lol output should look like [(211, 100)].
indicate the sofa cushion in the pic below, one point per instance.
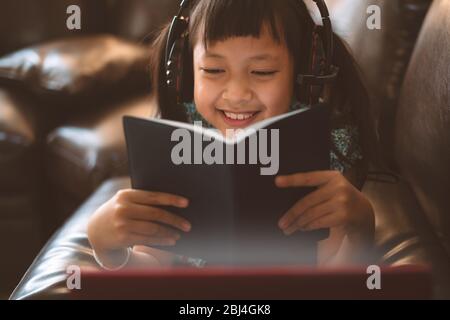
[(91, 148), (83, 67)]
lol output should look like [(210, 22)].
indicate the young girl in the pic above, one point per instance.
[(245, 56)]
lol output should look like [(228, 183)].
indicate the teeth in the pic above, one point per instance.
[(239, 116)]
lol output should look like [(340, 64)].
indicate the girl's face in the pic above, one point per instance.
[(242, 80)]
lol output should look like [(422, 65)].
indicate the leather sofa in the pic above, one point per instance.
[(422, 139), (50, 78), (79, 165), (31, 108)]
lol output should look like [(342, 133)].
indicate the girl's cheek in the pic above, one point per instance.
[(276, 102), (205, 96)]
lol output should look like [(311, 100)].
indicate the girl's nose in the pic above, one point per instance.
[(237, 92)]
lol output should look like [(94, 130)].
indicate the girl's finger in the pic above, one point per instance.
[(310, 215), (146, 213), (328, 221), (308, 179), (152, 198), (137, 239), (150, 229), (313, 199)]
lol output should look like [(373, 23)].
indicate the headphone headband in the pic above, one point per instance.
[(328, 44)]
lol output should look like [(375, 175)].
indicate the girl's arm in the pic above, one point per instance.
[(342, 248), (144, 257), (134, 218)]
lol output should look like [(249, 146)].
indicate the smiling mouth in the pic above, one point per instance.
[(239, 116)]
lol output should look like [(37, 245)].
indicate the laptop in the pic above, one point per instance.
[(262, 283)]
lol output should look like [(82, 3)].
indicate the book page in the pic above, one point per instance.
[(239, 135)]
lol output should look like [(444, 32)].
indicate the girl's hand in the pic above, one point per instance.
[(130, 218), (335, 204)]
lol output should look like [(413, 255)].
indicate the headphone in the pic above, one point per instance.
[(322, 70)]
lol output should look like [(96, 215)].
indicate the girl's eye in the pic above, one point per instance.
[(212, 71), (258, 73), (264, 73)]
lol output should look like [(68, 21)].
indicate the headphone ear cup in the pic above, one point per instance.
[(298, 88), (187, 75), (174, 70), (316, 67), (304, 90)]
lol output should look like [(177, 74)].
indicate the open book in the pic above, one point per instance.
[(230, 182)]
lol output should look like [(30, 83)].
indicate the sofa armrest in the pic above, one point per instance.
[(396, 237), (46, 277), (87, 151), (403, 236)]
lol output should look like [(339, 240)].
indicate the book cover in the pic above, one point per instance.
[(230, 182)]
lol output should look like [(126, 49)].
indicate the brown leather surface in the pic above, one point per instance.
[(423, 121), (54, 82), (20, 217), (69, 246), (82, 68), (382, 54), (88, 150), (90, 66), (18, 139), (20, 236), (138, 19), (396, 237), (397, 241), (34, 22), (27, 22)]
